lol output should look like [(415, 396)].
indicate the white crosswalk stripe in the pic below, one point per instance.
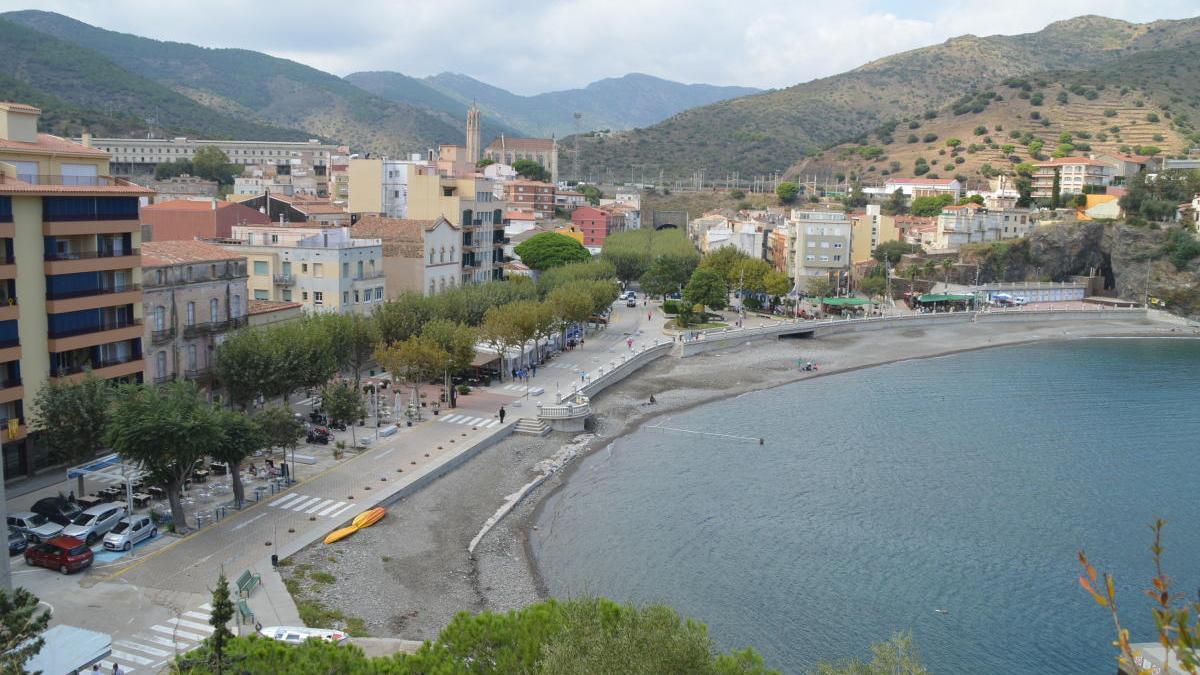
[(203, 616), (126, 656), (107, 667), (282, 501), (191, 624), (451, 418), (182, 634), (164, 641), (340, 511), (314, 509), (206, 607), (308, 504), (330, 509), (303, 504), (137, 646)]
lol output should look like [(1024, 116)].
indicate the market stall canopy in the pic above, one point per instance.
[(845, 302), (945, 297), (68, 649)]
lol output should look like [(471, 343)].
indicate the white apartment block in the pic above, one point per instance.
[(139, 155), (822, 242), (323, 269), (972, 223)]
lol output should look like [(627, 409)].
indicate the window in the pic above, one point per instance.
[(345, 270), (235, 306), (191, 357), (318, 270), (260, 294), (158, 276), (260, 268), (160, 318), (160, 365), (191, 314), (442, 255), (379, 293), (304, 268), (810, 258), (812, 244), (212, 271), (356, 300), (287, 294), (345, 297), (360, 268), (430, 256), (451, 253), (304, 296), (318, 298)]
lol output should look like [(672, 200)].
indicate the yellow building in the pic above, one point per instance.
[(869, 230), (572, 232), (73, 233), (470, 204)]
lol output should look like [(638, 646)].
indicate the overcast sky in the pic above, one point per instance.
[(530, 47)]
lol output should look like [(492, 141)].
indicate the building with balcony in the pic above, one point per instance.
[(139, 156), (418, 255), (871, 229), (530, 196), (193, 293), (973, 223), (322, 269), (470, 204), (1075, 175), (822, 243), (597, 223), (72, 232)]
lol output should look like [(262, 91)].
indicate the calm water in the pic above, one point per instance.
[(966, 482)]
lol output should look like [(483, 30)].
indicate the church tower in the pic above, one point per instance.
[(473, 149)]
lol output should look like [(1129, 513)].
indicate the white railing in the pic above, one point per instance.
[(576, 405), (617, 369)]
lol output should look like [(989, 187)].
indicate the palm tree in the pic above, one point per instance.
[(928, 268), (947, 265)]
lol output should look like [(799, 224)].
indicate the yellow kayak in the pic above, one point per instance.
[(358, 520), (340, 534), (370, 517)]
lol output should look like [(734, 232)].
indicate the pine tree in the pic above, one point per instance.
[(20, 629), (221, 614)]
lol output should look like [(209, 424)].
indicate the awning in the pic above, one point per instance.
[(845, 302), (945, 297), (484, 358), (68, 649)]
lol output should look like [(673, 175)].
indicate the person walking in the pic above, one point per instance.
[(502, 413), (535, 370), (629, 343)]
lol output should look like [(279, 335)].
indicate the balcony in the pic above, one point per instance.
[(196, 373), (162, 337), (9, 311), (8, 266), (73, 301), (113, 331), (284, 280), (369, 275), (163, 379), (11, 390), (107, 370), (92, 261), (77, 371), (10, 350), (196, 330)]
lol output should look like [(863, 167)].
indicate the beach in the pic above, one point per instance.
[(407, 576)]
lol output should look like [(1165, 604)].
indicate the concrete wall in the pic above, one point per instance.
[(619, 368)]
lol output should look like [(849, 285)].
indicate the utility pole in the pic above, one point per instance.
[(575, 160)]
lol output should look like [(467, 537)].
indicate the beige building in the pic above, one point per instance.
[(193, 293), (544, 151), (323, 269), (183, 187), (822, 243), (972, 223), (418, 255), (472, 205), (380, 186), (1076, 175), (870, 229), (76, 306)]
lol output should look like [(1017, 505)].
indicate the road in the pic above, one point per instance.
[(153, 601)]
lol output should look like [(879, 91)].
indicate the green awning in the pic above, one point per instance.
[(949, 297), (845, 302)]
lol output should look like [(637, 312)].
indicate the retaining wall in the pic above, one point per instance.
[(618, 368)]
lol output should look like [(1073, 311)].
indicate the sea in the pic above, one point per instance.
[(943, 497)]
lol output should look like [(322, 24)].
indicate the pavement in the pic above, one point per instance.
[(154, 600)]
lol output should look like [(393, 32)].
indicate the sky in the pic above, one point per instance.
[(530, 47)]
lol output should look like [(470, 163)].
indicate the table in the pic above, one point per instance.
[(141, 499), (88, 502), (110, 494), (156, 492), (219, 468), (200, 476)]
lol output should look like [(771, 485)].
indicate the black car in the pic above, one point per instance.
[(16, 541), (57, 509)]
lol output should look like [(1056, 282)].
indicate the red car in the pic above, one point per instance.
[(65, 554)]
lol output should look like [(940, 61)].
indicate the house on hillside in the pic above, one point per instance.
[(418, 255), (924, 187), (1076, 175)]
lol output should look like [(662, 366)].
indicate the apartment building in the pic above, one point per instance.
[(870, 229), (188, 219), (183, 187), (822, 243), (418, 255), (973, 223), (300, 208), (597, 223), (1075, 175), (323, 269), (138, 156), (472, 205), (380, 186), (530, 196), (72, 232), (923, 187), (781, 249), (544, 151), (193, 293)]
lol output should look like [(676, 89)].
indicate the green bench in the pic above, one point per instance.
[(246, 583), (244, 610)]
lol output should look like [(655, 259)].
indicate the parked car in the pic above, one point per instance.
[(16, 541), (58, 509), (1020, 300), (36, 527), (130, 531), (65, 554), (631, 302), (95, 522)]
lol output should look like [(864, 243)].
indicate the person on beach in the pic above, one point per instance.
[(502, 414), (652, 401)]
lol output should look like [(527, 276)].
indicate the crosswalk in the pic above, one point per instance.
[(482, 422), (313, 506), (160, 643), (515, 387), (560, 365)]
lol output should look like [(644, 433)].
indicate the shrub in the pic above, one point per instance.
[(1109, 112), (1037, 98), (1151, 118), (914, 124), (912, 138), (1062, 97), (670, 307), (981, 130), (929, 138)]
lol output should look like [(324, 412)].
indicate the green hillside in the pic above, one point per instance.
[(416, 92), (768, 132), (78, 87), (256, 86)]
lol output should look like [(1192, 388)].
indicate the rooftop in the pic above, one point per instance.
[(921, 181), (267, 306), (49, 143), (71, 185), (189, 205), (159, 253), (1070, 161)]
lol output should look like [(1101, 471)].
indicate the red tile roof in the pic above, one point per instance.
[(523, 144), (159, 253), (268, 306), (20, 107), (187, 205), (401, 237), (51, 143), (1066, 161)]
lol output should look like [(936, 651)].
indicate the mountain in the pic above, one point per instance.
[(256, 87), (402, 88), (767, 132), (77, 87), (614, 103)]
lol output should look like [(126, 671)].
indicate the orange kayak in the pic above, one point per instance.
[(340, 534), (370, 517)]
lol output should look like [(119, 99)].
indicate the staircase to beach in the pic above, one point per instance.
[(531, 426)]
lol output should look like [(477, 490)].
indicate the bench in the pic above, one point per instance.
[(244, 610), (246, 583)]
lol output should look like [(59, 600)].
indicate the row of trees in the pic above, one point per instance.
[(633, 253), (209, 163)]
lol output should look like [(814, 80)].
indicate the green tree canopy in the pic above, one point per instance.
[(280, 427), (787, 192), (21, 628), (666, 275), (551, 249), (706, 287), (527, 168), (70, 417), (777, 283), (631, 252), (211, 163), (413, 361), (592, 194), (892, 251), (723, 261), (343, 401), (818, 287), (240, 436), (930, 205), (456, 339)]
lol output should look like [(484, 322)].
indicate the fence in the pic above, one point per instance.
[(618, 369)]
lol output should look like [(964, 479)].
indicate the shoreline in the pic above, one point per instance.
[(417, 558)]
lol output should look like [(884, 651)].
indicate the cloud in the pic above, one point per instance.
[(528, 46)]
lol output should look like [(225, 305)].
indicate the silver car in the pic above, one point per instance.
[(95, 522), (36, 527), (128, 532)]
